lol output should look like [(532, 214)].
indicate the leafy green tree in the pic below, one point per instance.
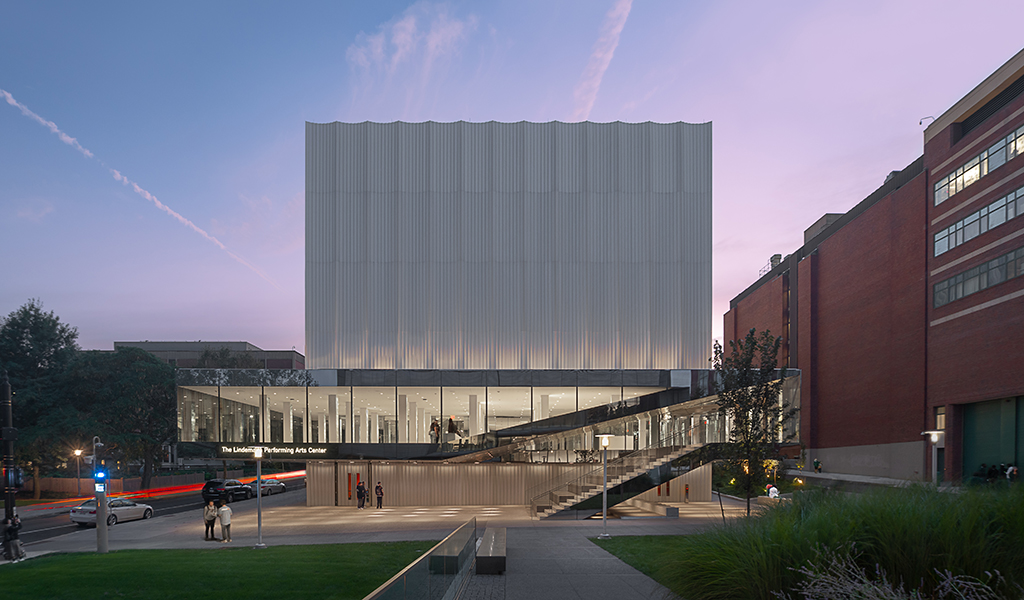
[(749, 391), (129, 395), (35, 349)]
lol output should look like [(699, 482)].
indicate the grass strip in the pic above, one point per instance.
[(336, 571), (909, 533)]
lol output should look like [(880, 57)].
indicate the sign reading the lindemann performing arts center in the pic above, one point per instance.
[(508, 245)]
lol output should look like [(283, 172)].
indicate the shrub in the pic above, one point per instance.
[(914, 534)]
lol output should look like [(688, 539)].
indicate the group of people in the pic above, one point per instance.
[(214, 512), (435, 430), (362, 493), (992, 474)]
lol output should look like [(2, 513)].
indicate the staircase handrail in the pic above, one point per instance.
[(532, 497)]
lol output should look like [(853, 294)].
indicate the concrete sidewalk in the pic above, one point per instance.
[(546, 559)]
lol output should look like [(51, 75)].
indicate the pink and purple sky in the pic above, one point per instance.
[(151, 155)]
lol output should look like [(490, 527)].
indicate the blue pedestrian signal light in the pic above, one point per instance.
[(100, 475)]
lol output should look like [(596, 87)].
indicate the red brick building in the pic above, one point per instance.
[(906, 314)]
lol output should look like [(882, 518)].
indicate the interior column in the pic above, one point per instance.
[(423, 426), (403, 418), (474, 414), (414, 425), (332, 415), (364, 430), (288, 421)]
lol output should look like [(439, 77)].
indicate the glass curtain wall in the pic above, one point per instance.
[(464, 413), (328, 418), (343, 414), (418, 409), (553, 401), (197, 414), (375, 415), (287, 406), (240, 414), (507, 407), (590, 397)]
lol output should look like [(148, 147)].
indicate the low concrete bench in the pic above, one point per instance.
[(490, 556)]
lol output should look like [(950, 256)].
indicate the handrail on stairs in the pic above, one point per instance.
[(668, 442)]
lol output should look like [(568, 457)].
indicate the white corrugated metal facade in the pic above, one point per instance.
[(508, 245)]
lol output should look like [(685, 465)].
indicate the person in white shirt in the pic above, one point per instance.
[(224, 514)]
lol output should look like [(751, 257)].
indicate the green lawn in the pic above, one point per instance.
[(321, 572)]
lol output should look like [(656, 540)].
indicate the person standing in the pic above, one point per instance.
[(379, 491), (210, 519), (361, 494), (12, 541), (224, 514)]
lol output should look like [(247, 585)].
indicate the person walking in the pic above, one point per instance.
[(210, 519), (224, 514), (361, 494), (379, 491)]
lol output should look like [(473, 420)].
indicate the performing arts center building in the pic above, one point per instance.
[(482, 301)]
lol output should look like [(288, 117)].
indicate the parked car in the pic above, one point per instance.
[(118, 510), (270, 486), (226, 490)]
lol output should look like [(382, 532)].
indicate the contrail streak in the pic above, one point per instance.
[(604, 49), (67, 139)]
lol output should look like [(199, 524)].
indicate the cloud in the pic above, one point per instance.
[(127, 182), (67, 139), (405, 53), (604, 49), (34, 210), (160, 205)]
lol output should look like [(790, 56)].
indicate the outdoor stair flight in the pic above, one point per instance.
[(562, 496)]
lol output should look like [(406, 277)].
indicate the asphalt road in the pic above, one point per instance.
[(39, 527)]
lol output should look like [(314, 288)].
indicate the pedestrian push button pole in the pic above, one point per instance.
[(102, 544)]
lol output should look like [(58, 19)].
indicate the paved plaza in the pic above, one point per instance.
[(546, 559)]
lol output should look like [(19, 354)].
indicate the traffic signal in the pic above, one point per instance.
[(19, 477), (100, 476)]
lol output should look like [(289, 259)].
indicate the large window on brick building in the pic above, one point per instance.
[(984, 276)]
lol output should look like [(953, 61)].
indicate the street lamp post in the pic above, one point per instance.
[(259, 499), (604, 494), (78, 465)]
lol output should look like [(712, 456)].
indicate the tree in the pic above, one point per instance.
[(130, 396), (749, 391), (35, 349)]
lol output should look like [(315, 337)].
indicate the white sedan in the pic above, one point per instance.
[(118, 509), (270, 486)]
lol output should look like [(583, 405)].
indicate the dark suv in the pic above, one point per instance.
[(226, 490)]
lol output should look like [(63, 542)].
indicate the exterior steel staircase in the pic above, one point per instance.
[(563, 495)]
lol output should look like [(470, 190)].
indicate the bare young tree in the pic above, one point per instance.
[(750, 391)]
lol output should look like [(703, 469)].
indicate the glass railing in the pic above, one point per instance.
[(437, 575)]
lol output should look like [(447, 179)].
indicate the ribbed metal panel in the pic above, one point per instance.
[(431, 483), (508, 245)]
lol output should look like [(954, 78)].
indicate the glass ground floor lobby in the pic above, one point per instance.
[(331, 406)]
